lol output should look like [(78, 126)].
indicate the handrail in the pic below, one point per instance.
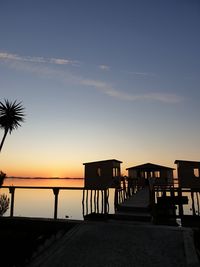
[(94, 199), (55, 189), (177, 199)]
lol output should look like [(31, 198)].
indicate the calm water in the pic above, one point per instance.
[(40, 202)]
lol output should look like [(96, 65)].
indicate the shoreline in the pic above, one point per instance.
[(43, 178)]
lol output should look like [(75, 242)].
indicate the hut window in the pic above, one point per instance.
[(196, 172), (99, 172), (115, 172), (157, 174)]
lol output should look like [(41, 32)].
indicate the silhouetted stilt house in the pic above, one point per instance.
[(102, 174), (160, 175), (188, 173)]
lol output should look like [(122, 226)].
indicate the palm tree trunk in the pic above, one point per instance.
[(3, 139)]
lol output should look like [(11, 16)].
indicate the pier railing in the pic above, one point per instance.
[(174, 202), (93, 201), (55, 190), (167, 201), (127, 189)]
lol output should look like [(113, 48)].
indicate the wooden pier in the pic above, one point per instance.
[(135, 207), (138, 201), (161, 204)]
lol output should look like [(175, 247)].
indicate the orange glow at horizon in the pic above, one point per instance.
[(38, 171), (62, 165), (45, 182), (54, 172), (20, 165), (49, 173)]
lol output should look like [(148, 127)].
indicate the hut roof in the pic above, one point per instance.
[(149, 167), (186, 161), (103, 161)]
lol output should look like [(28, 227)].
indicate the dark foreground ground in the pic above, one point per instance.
[(24, 239), (20, 238)]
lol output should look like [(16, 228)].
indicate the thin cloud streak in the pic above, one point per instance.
[(57, 61), (111, 91), (29, 64), (141, 74)]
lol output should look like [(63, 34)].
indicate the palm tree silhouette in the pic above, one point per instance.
[(11, 115)]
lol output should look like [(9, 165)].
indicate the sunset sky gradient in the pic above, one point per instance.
[(100, 80)]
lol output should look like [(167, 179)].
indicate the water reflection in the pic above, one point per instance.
[(44, 182), (40, 202)]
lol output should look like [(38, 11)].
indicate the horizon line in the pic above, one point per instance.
[(28, 177)]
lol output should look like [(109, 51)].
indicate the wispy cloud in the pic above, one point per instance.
[(108, 89), (104, 67), (26, 64), (138, 74), (57, 61)]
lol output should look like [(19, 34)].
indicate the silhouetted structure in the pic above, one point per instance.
[(146, 172), (102, 174), (188, 173)]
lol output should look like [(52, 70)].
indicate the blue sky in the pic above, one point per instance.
[(100, 80)]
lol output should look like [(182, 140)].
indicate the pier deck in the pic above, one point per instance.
[(140, 200), (118, 244), (136, 207)]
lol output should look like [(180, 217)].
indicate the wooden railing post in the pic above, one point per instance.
[(86, 202), (83, 203), (56, 192), (91, 206), (105, 201), (97, 201), (116, 199), (102, 201), (193, 206), (180, 206), (12, 192)]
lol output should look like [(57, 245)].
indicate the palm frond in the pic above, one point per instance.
[(11, 115)]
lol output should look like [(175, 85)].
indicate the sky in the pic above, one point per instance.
[(103, 79)]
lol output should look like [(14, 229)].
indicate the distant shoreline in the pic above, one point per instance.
[(43, 178)]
